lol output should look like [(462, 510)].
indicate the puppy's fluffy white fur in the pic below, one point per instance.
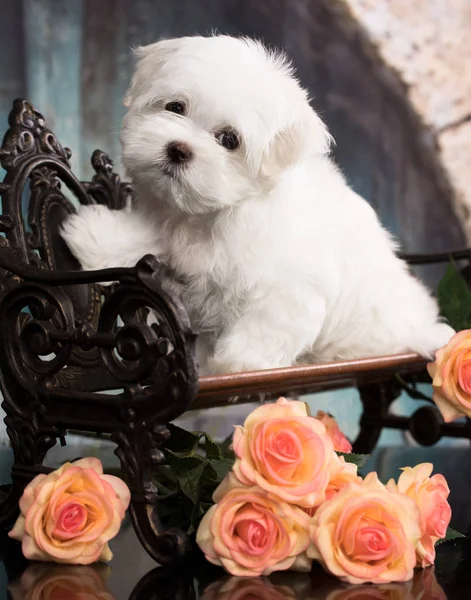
[(283, 262)]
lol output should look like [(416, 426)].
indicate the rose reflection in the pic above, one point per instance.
[(290, 586), (48, 581), (242, 588)]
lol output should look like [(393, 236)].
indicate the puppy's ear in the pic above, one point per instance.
[(137, 52), (147, 60), (305, 135)]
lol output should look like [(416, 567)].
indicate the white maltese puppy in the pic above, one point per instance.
[(283, 262)]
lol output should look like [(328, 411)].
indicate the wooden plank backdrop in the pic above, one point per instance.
[(72, 59)]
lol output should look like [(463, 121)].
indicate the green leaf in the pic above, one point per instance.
[(190, 481), (211, 448), (198, 511), (182, 441), (451, 534), (187, 471), (226, 447), (165, 509), (357, 459), (178, 461), (189, 453), (221, 468), (165, 480), (454, 298), (196, 515)]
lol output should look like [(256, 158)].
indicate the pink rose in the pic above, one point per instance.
[(284, 451), (430, 494), (451, 377), (341, 443), (62, 582), (366, 534), (250, 533), (341, 474), (70, 515)]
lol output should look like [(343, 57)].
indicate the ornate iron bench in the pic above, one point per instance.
[(65, 340)]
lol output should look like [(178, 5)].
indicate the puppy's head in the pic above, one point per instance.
[(212, 121)]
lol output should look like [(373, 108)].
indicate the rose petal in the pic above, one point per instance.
[(90, 463), (18, 530), (120, 488), (106, 554), (28, 495), (302, 563), (448, 411), (31, 551)]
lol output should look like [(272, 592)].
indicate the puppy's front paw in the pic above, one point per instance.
[(85, 234)]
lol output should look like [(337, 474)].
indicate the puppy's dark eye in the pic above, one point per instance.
[(178, 108), (228, 139)]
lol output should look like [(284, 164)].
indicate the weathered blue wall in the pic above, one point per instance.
[(72, 59)]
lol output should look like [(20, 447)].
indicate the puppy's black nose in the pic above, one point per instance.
[(179, 152)]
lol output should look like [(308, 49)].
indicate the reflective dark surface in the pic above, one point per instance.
[(133, 575)]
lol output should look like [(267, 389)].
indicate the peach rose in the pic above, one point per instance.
[(451, 377), (251, 533), (341, 443), (284, 451), (62, 582), (236, 588), (366, 534), (70, 515), (341, 474), (430, 494)]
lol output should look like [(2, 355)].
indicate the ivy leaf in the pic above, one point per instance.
[(454, 298), (451, 534), (357, 459)]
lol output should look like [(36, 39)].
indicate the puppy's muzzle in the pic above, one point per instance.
[(179, 153)]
